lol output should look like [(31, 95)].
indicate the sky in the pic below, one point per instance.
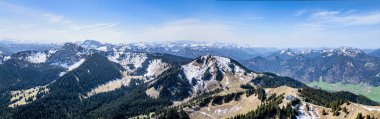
[(275, 23)]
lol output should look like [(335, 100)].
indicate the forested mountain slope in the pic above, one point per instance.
[(205, 87)]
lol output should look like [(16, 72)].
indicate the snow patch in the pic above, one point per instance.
[(191, 71), (7, 58), (52, 51), (306, 115), (236, 108), (61, 74), (220, 111), (128, 59), (37, 58), (76, 65), (102, 48), (114, 58), (69, 68), (155, 67)]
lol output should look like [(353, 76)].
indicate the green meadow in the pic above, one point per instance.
[(361, 89)]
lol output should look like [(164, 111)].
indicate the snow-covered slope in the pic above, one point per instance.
[(210, 72), (211, 64), (141, 64), (90, 44), (38, 57), (145, 67), (66, 55), (156, 67), (33, 57), (344, 51)]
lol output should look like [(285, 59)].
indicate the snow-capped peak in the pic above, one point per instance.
[(288, 52), (210, 72), (210, 64), (66, 55), (91, 44), (345, 51), (307, 51)]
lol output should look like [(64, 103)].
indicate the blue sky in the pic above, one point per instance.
[(353, 23)]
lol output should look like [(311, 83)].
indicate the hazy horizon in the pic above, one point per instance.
[(279, 24), (4, 42)]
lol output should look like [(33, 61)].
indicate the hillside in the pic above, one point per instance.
[(285, 96)]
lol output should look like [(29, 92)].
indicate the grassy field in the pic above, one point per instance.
[(361, 89)]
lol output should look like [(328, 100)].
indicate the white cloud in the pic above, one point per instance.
[(320, 28), (50, 27), (324, 14), (348, 18), (53, 18), (310, 27), (97, 27), (300, 12), (41, 26), (187, 29)]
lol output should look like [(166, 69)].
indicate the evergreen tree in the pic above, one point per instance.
[(359, 116)]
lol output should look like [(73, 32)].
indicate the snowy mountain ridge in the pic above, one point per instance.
[(344, 51)]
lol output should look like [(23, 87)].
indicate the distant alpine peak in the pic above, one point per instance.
[(187, 43), (292, 52), (307, 51), (91, 44), (288, 52), (71, 46), (66, 55), (345, 51)]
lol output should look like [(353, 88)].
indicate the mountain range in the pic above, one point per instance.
[(189, 49), (344, 65), (97, 80)]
